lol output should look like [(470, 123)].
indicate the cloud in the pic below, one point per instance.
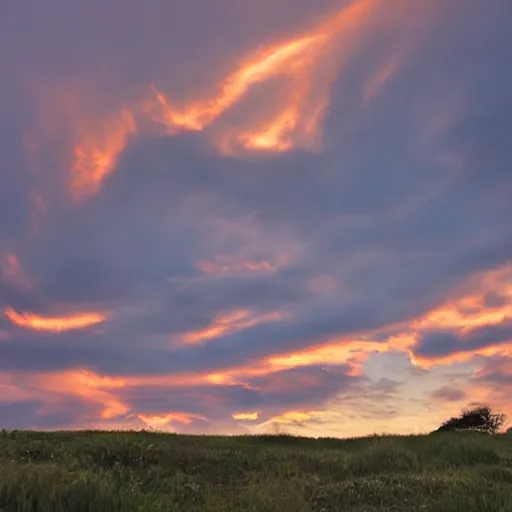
[(245, 416), (235, 321), (54, 324), (295, 213), (95, 157), (442, 343), (448, 394), (296, 59)]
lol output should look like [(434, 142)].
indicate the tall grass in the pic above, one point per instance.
[(149, 472)]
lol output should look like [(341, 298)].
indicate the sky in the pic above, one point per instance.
[(254, 217)]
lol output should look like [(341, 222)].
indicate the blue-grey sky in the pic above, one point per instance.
[(226, 217)]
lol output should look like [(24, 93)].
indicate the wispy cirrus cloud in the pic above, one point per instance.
[(55, 323)]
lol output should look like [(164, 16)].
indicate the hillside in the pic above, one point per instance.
[(151, 472)]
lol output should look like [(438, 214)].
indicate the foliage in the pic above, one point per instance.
[(151, 472), (480, 419)]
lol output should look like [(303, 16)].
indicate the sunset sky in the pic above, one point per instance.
[(238, 217)]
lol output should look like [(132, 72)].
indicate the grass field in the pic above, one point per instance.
[(143, 471)]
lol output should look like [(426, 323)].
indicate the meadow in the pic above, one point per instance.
[(155, 472)]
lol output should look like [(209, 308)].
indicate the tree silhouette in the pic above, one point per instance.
[(479, 419)]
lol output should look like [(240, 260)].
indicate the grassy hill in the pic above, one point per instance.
[(150, 472)]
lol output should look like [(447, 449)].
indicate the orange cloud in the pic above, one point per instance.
[(245, 416), (103, 391), (81, 134), (294, 122), (466, 311), (293, 417), (340, 352), (504, 349), (164, 420), (88, 386), (220, 379), (53, 324), (97, 151), (289, 56), (455, 316), (274, 136), (94, 388), (237, 320)]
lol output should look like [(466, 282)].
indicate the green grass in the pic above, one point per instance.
[(151, 472)]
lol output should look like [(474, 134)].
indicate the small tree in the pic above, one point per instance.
[(479, 419)]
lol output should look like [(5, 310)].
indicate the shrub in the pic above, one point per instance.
[(480, 419)]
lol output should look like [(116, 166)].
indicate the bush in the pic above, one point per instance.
[(480, 419)]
